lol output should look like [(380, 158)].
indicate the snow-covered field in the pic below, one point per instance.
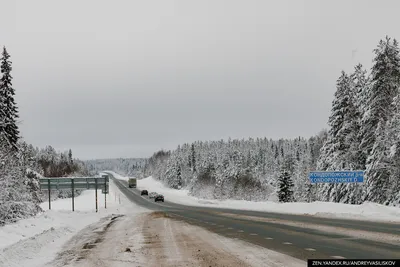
[(366, 211), (35, 241)]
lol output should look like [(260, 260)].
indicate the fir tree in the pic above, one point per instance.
[(337, 153), (384, 87), (70, 156), (361, 84), (380, 113), (8, 109), (179, 176), (378, 171), (193, 159), (285, 186), (393, 143)]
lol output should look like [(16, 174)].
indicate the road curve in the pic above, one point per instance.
[(300, 236)]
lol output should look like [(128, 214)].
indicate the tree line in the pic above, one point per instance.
[(363, 134), (21, 165), (123, 166)]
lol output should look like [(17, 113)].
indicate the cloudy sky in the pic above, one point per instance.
[(126, 78)]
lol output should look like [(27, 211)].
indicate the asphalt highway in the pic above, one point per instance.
[(285, 233)]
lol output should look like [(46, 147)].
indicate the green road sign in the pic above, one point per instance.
[(100, 180), (45, 186), (105, 190), (72, 183)]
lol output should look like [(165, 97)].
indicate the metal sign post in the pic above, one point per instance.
[(84, 183), (336, 196), (73, 195), (96, 195), (49, 194), (105, 190)]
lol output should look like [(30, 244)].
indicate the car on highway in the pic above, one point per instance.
[(153, 194), (144, 192), (159, 197)]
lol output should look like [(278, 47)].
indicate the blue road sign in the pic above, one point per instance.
[(337, 177)]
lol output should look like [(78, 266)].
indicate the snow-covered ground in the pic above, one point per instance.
[(366, 211), (35, 241)]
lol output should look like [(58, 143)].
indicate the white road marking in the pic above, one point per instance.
[(338, 257), (287, 243), (253, 234), (230, 228), (213, 224), (221, 225), (269, 238), (310, 249), (240, 231)]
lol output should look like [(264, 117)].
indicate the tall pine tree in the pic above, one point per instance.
[(385, 82), (361, 85), (337, 153), (285, 185), (8, 110), (384, 89), (393, 136)]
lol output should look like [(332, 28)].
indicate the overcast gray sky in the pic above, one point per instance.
[(126, 78)]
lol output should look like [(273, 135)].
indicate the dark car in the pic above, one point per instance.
[(144, 192), (159, 198)]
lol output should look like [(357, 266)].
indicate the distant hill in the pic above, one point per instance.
[(123, 166)]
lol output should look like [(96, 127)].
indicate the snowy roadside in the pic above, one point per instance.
[(36, 241), (367, 211), (156, 239)]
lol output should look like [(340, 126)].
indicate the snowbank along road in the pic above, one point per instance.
[(298, 236)]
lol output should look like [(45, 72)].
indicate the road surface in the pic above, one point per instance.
[(302, 237)]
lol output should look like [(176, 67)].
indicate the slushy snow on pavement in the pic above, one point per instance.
[(367, 211)]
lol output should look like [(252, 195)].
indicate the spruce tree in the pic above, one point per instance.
[(179, 176), (385, 82), (8, 110), (361, 86), (381, 111), (193, 159), (337, 153), (285, 186), (378, 171), (70, 156), (393, 143)]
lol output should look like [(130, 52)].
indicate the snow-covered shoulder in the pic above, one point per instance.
[(42, 236), (367, 211)]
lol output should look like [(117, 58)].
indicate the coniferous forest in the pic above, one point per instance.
[(21, 165), (363, 134)]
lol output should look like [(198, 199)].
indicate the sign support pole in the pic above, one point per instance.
[(96, 194), (336, 198), (73, 194), (357, 194), (73, 183), (48, 183)]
